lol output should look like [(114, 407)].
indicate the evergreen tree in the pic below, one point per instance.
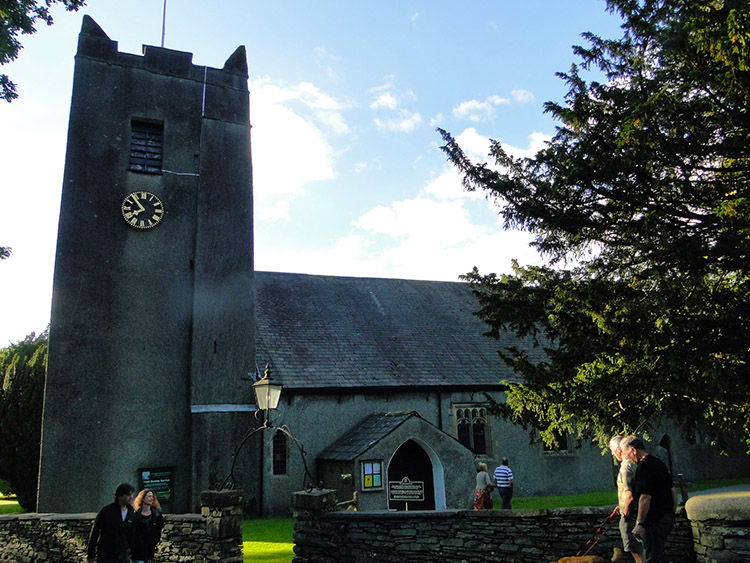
[(641, 204), (23, 368)]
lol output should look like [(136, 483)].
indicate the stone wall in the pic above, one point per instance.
[(721, 526), (465, 536), (214, 535)]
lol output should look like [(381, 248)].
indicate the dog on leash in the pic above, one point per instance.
[(616, 556)]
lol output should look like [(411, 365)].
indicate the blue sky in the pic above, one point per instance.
[(345, 98)]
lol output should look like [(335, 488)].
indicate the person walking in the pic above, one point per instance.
[(482, 498), (504, 482), (656, 498), (626, 506), (147, 526), (111, 537)]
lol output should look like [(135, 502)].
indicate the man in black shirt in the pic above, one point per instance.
[(112, 533), (656, 498)]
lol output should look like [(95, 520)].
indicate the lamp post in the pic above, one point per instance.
[(267, 392)]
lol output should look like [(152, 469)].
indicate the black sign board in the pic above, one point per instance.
[(406, 490), (161, 481)]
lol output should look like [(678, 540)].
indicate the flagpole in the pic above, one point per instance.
[(163, 22)]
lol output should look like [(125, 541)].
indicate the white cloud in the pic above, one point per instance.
[(431, 239), (537, 141), (436, 120), (279, 210), (372, 164), (440, 233), (447, 185), (522, 96), (385, 100), (476, 146), (334, 121), (473, 144), (405, 123), (388, 100), (325, 61), (288, 124), (474, 110), (445, 223)]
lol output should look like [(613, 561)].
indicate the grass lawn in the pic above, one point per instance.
[(604, 498), (268, 540), (598, 498), (8, 505)]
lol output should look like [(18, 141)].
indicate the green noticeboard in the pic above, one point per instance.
[(161, 481)]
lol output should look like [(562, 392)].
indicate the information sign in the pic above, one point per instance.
[(406, 490), (161, 481)]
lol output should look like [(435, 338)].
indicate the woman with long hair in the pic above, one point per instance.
[(147, 526)]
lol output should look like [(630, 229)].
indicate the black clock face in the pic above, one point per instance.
[(142, 210)]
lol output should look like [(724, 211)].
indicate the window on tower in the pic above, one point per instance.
[(146, 143)]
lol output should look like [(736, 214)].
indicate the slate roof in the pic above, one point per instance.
[(343, 333), (365, 435)]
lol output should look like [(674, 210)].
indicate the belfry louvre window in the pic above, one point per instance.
[(146, 144)]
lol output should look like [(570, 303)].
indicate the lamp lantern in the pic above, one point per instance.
[(267, 391)]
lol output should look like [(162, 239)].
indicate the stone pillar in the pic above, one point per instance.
[(311, 540), (307, 504), (721, 526), (222, 511)]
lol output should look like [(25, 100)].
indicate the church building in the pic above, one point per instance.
[(160, 326)]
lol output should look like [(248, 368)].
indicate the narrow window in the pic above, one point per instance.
[(279, 453), (146, 143), (464, 432), (478, 432)]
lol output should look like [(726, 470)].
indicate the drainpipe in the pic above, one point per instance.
[(262, 471), (440, 409)]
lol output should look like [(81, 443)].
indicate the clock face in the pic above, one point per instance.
[(142, 210)]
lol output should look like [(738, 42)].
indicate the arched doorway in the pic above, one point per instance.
[(411, 467), (664, 452)]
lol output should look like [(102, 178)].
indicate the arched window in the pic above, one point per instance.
[(279, 453), (478, 428), (472, 429), (464, 432)]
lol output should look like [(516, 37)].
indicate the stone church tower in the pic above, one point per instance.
[(152, 315)]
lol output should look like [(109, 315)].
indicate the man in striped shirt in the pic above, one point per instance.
[(504, 481)]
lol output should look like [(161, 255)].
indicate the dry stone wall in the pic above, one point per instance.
[(212, 536), (460, 536), (721, 527)]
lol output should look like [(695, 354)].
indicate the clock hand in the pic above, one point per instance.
[(135, 200)]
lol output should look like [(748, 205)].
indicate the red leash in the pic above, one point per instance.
[(600, 532)]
